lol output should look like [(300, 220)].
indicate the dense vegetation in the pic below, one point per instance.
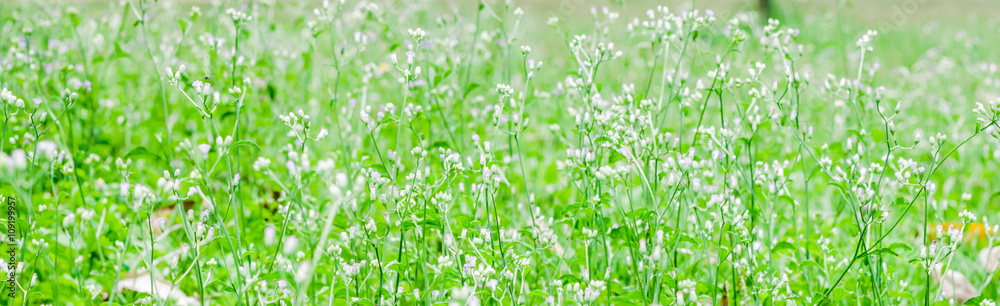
[(403, 153)]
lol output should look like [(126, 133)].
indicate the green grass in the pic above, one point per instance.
[(423, 153)]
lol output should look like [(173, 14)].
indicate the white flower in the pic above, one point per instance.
[(352, 269), (238, 16), (504, 90), (304, 272), (204, 149), (968, 216), (865, 42), (269, 235), (261, 164), (47, 148), (417, 34), (290, 245), (68, 221)]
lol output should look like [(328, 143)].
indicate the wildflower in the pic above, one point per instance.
[(864, 43), (269, 235), (290, 245), (417, 34)]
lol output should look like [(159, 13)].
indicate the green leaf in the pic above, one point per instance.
[(469, 89), (808, 263), (787, 199), (73, 16), (144, 153), (839, 294), (901, 295), (539, 293), (783, 246), (992, 290), (974, 301), (119, 53), (569, 279), (903, 246), (437, 80), (855, 132), (245, 143)]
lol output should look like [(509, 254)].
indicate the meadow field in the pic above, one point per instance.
[(492, 152)]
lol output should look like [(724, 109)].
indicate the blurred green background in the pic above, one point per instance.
[(908, 28)]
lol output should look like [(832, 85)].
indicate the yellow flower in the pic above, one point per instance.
[(973, 232)]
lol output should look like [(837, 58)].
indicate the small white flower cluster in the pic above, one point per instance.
[(238, 17), (174, 76), (588, 294), (687, 293), (417, 34), (865, 42), (687, 159), (10, 99), (300, 125)]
